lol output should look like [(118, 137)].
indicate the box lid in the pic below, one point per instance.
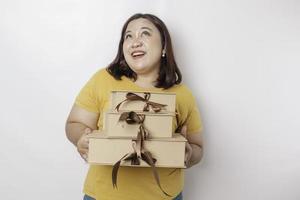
[(144, 113), (177, 137), (140, 91)]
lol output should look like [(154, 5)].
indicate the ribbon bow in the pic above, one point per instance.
[(139, 153), (156, 107), (134, 118)]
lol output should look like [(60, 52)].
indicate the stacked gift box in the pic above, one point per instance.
[(138, 122)]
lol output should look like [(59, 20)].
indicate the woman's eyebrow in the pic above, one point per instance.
[(146, 28)]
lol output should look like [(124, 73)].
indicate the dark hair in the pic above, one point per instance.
[(169, 73)]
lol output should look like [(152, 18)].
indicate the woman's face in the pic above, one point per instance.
[(142, 46)]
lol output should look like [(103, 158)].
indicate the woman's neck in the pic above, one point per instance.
[(148, 80)]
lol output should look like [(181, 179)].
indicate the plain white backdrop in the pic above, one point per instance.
[(241, 59)]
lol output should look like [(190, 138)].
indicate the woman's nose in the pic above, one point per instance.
[(137, 43)]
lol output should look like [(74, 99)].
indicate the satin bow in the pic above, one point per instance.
[(156, 107)]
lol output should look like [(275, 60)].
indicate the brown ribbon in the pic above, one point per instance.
[(156, 107), (139, 150), (139, 153), (134, 118)]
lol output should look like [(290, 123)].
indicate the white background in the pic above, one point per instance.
[(240, 58)]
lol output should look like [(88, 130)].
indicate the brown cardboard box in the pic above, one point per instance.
[(169, 152), (158, 125), (168, 99)]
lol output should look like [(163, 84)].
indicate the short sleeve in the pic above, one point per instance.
[(88, 98), (188, 112), (193, 122)]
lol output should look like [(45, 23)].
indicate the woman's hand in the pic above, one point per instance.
[(193, 147), (83, 144), (188, 147)]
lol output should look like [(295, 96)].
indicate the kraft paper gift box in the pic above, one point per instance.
[(168, 152), (168, 99), (158, 125)]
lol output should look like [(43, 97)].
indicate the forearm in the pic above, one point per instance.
[(74, 130), (197, 153)]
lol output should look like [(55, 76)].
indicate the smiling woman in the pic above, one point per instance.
[(146, 35), (144, 62), (142, 47)]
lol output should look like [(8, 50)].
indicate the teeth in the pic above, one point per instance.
[(137, 53)]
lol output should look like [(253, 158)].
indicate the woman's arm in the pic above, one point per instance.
[(79, 123)]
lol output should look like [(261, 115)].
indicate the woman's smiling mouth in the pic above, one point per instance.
[(138, 54)]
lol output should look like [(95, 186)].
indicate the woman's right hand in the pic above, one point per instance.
[(83, 144)]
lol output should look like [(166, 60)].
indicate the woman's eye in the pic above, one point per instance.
[(146, 33), (127, 36)]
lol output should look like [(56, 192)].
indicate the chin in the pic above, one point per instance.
[(139, 69)]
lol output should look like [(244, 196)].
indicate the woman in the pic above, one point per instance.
[(144, 62)]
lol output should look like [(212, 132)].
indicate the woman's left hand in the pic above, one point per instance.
[(188, 148)]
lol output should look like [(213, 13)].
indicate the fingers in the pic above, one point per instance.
[(83, 153), (84, 157), (83, 144), (188, 147), (188, 154), (188, 151), (82, 150)]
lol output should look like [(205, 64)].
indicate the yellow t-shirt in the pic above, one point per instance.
[(134, 183)]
